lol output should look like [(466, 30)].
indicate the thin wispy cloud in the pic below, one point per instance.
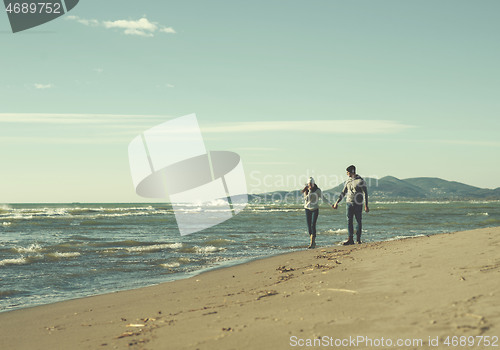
[(141, 27), (270, 163), (115, 120), (57, 140), (113, 128), (86, 22), (43, 86), (461, 142), (470, 142), (313, 126), (263, 149), (309, 126), (77, 128)]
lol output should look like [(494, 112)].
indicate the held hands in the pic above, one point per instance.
[(335, 206)]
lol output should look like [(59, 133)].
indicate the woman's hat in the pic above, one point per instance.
[(310, 181)]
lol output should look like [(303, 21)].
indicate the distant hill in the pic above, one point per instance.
[(436, 188), (392, 188)]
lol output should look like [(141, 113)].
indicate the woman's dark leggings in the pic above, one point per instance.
[(312, 217)]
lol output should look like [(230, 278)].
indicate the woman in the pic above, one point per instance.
[(312, 194)]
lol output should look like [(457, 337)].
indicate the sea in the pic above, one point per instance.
[(56, 252)]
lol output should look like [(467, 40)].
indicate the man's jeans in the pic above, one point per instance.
[(354, 211)]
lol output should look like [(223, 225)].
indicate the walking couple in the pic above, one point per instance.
[(354, 191)]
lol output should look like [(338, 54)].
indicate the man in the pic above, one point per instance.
[(354, 189)]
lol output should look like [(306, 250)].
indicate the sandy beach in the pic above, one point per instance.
[(430, 288)]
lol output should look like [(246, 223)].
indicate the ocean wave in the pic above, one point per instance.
[(275, 210), (204, 210), (16, 261), (6, 223), (395, 238), (18, 216), (154, 247), (170, 265), (219, 241), (83, 238), (117, 244), (208, 249), (33, 248), (87, 210), (29, 213), (53, 212), (340, 231), (117, 215), (59, 255), (478, 214), (81, 213), (484, 201), (9, 293), (213, 203), (22, 260), (202, 250), (109, 251)]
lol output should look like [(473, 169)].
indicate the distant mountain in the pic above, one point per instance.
[(392, 188), (436, 188)]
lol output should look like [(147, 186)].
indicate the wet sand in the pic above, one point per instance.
[(437, 286)]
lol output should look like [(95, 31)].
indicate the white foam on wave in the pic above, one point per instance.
[(274, 210), (219, 241), (395, 238), (154, 247), (17, 261), (170, 265), (19, 216), (64, 255), (33, 248), (208, 249), (478, 214), (340, 231), (484, 202), (112, 209), (51, 212), (125, 213), (81, 212), (6, 223)]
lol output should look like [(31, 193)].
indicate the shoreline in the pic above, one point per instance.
[(222, 265), (187, 275), (375, 289)]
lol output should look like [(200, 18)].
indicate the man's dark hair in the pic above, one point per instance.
[(351, 169)]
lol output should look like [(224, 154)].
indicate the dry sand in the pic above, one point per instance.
[(439, 286)]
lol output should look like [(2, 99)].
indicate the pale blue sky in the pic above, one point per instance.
[(275, 81)]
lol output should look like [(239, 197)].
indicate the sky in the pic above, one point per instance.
[(296, 88)]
